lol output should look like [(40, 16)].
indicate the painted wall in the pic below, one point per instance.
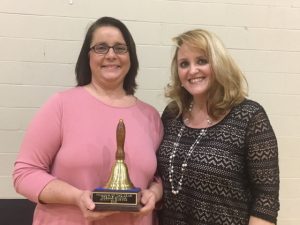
[(40, 41)]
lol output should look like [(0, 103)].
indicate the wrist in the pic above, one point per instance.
[(77, 197), (157, 189)]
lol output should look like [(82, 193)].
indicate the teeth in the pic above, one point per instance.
[(196, 80), (111, 66)]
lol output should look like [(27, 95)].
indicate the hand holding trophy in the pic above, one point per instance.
[(119, 194)]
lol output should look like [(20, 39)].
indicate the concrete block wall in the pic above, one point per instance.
[(40, 41)]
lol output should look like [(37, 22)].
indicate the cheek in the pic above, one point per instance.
[(181, 73), (208, 70), (126, 61), (93, 60)]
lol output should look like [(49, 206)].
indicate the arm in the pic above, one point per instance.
[(41, 143), (32, 171), (59, 192), (151, 196), (263, 169), (257, 221)]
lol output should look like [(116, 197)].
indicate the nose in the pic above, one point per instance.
[(110, 53), (194, 69)]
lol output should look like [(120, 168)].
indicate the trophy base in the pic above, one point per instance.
[(117, 200)]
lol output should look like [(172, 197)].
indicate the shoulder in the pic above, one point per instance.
[(152, 115), (58, 99), (68, 95), (249, 107), (248, 110), (170, 112), (70, 92), (147, 107)]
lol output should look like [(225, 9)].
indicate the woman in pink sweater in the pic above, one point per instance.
[(69, 147)]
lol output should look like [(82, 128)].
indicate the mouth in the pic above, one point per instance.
[(196, 80), (110, 66)]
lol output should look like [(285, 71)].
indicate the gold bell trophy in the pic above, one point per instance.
[(118, 194)]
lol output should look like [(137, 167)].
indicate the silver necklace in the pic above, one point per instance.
[(176, 188)]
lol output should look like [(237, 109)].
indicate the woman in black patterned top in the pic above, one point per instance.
[(219, 158)]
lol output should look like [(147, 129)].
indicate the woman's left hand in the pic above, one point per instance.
[(148, 200), (150, 196)]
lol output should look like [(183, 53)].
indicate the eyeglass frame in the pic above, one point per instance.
[(108, 48)]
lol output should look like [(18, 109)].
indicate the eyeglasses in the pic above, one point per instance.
[(103, 49)]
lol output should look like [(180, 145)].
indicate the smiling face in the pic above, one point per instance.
[(110, 69), (194, 70)]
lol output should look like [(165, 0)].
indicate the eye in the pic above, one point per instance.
[(120, 48), (202, 61), (101, 48), (184, 64)]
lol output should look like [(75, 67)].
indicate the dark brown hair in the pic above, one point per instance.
[(83, 70)]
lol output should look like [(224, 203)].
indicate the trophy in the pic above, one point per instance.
[(118, 194)]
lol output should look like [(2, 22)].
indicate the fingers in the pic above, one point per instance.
[(94, 215), (89, 204), (87, 207), (148, 200)]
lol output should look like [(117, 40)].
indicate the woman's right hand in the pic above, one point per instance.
[(60, 192), (87, 206)]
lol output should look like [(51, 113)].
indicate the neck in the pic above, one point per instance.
[(116, 97), (200, 103), (110, 92), (197, 116)]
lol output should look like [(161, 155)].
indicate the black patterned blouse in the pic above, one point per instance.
[(232, 173)]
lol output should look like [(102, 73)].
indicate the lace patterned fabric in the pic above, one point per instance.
[(232, 174)]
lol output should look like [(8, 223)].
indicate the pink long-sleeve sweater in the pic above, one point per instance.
[(73, 138)]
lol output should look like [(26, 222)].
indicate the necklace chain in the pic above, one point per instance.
[(176, 188)]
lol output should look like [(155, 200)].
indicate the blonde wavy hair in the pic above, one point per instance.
[(228, 86)]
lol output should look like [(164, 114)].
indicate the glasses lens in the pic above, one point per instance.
[(120, 49), (101, 49)]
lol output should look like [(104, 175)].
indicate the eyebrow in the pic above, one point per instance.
[(181, 59), (104, 43)]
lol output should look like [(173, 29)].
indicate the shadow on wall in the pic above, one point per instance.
[(16, 211)]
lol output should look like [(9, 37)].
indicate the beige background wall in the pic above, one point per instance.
[(40, 41)]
